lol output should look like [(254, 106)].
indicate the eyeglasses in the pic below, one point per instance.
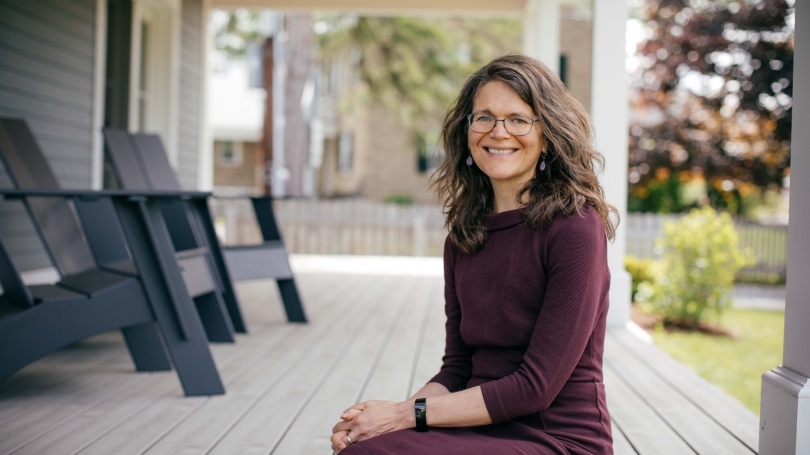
[(516, 126)]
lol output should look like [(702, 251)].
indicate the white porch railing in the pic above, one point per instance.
[(768, 243), (373, 228), (339, 226)]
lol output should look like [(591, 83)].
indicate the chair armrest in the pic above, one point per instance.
[(90, 194)]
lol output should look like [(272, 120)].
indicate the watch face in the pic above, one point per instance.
[(420, 410)]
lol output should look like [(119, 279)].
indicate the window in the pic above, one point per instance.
[(355, 58), (153, 76), (428, 153), (143, 91), (331, 76), (229, 154), (345, 151)]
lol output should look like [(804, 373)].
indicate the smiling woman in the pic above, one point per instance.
[(526, 282), (506, 153)]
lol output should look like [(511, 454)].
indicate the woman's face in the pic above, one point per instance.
[(504, 158)]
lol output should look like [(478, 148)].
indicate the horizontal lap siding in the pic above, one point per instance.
[(190, 105), (46, 77)]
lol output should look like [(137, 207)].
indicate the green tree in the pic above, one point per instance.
[(414, 67), (234, 31)]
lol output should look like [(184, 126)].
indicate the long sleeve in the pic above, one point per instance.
[(575, 297), (456, 367)]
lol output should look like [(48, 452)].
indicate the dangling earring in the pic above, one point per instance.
[(469, 160), (543, 164)]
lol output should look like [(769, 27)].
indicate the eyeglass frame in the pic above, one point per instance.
[(534, 120)]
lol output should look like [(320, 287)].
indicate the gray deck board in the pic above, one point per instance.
[(347, 381), (372, 335), (392, 377), (644, 429), (264, 424), (724, 409), (63, 372), (166, 418), (432, 348), (621, 446), (704, 435)]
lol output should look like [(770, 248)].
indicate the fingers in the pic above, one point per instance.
[(350, 414), (338, 441), (359, 406), (342, 426)]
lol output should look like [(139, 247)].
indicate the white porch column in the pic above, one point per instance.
[(99, 85), (205, 163), (785, 407), (541, 32), (609, 113)]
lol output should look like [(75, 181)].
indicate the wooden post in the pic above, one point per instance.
[(266, 144), (299, 45)]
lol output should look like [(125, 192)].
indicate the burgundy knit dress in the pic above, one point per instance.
[(526, 322)]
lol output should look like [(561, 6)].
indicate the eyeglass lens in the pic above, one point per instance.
[(516, 126)]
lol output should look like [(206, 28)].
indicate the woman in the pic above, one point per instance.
[(526, 282)]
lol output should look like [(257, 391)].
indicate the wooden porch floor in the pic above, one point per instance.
[(376, 331)]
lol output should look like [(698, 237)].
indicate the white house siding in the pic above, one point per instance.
[(46, 78), (191, 67)]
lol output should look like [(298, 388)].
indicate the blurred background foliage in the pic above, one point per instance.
[(414, 66), (711, 89), (693, 280), (711, 97), (411, 66), (234, 31)]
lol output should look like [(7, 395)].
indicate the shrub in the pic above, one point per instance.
[(399, 199), (639, 269), (701, 256)]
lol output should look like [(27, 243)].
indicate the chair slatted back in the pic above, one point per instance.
[(155, 162), (53, 217), (104, 232), (126, 164), (146, 152)]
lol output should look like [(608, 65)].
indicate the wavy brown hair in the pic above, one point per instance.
[(567, 184)]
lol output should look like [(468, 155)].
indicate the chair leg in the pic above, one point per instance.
[(292, 302), (146, 347), (211, 308), (176, 315), (202, 216)]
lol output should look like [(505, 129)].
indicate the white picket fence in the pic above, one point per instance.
[(343, 226), (767, 243), (354, 226), (643, 230)]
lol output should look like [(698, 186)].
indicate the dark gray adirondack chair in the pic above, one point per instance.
[(154, 317), (109, 251), (190, 243), (266, 260)]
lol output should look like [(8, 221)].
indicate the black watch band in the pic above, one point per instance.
[(420, 410)]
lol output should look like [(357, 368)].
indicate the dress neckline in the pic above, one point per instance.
[(503, 220)]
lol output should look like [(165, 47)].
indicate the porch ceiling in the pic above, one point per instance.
[(387, 7)]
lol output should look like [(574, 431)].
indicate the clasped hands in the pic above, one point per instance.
[(371, 418)]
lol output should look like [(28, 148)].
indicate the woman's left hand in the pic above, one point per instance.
[(372, 418)]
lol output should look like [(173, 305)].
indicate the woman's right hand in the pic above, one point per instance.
[(338, 438)]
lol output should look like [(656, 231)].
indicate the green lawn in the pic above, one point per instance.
[(736, 365)]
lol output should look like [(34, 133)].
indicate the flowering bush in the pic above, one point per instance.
[(701, 256)]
